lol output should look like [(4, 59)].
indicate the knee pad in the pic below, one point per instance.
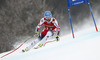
[(49, 33)]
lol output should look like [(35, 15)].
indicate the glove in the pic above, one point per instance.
[(57, 37), (36, 34)]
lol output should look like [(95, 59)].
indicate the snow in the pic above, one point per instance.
[(85, 46)]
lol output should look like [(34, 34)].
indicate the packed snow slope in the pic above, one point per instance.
[(85, 46)]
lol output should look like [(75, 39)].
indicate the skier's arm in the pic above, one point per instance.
[(39, 25), (58, 28)]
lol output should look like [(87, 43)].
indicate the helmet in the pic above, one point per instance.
[(47, 14)]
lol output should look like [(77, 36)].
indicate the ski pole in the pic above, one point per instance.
[(45, 44), (17, 47), (49, 42)]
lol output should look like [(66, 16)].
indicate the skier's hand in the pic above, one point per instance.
[(57, 37)]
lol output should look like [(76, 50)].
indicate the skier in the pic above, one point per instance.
[(51, 27)]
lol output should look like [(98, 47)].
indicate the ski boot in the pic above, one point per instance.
[(40, 45), (26, 49)]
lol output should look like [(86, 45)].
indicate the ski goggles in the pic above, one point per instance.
[(48, 17)]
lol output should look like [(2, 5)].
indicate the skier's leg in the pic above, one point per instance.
[(31, 45), (49, 34), (34, 42)]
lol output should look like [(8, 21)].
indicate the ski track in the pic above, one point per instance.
[(85, 46)]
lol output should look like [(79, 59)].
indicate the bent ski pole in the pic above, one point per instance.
[(17, 47), (49, 42), (44, 44)]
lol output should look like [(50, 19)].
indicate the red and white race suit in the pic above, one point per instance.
[(52, 25), (51, 28)]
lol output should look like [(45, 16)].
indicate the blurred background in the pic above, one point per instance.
[(18, 18)]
